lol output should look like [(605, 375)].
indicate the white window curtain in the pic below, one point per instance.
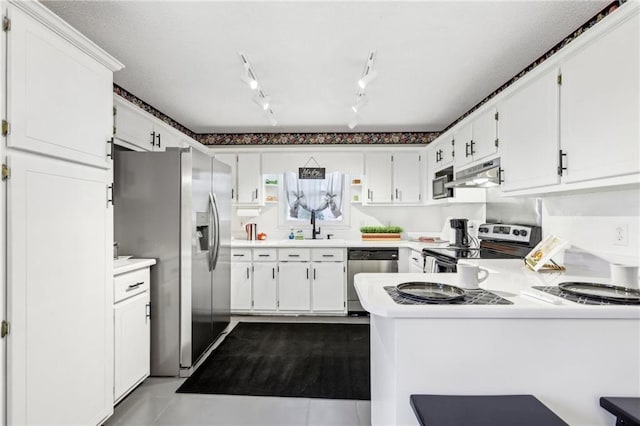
[(324, 196)]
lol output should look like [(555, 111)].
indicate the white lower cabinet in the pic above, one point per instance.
[(265, 286), (294, 286), (241, 293), (132, 326), (327, 288)]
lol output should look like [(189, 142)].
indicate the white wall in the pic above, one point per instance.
[(588, 221)]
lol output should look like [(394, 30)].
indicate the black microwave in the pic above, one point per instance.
[(438, 184)]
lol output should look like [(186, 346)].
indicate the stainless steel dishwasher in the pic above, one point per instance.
[(367, 260)]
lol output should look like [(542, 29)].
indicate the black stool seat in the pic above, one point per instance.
[(483, 410), (626, 409)]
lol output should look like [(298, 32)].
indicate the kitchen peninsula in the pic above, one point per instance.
[(567, 355)]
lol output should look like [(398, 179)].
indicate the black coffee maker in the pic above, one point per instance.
[(460, 234)]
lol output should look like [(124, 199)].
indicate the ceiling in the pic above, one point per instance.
[(435, 59)]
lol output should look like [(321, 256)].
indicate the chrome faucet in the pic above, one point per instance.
[(313, 225)]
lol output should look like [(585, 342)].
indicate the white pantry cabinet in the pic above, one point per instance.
[(60, 287), (599, 104), (529, 134), (59, 222), (59, 98), (132, 328)]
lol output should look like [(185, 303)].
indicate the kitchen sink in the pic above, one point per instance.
[(317, 242)]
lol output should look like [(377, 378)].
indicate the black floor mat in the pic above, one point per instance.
[(308, 360)]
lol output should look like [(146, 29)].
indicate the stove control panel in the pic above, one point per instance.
[(506, 232)]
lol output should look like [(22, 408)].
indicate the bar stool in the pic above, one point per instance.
[(482, 410)]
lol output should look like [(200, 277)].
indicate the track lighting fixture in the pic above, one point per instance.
[(353, 123), (261, 99), (369, 74)]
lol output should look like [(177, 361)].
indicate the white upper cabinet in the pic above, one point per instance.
[(599, 111), (393, 178), (378, 171), (249, 177), (462, 149), (141, 129), (485, 135), (60, 98), (529, 134), (477, 139), (441, 153), (231, 161), (406, 177)]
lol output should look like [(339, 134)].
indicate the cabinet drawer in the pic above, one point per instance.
[(240, 254), (294, 255), (264, 255), (130, 284), (327, 255)]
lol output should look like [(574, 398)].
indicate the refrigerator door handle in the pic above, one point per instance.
[(216, 251), (211, 235)]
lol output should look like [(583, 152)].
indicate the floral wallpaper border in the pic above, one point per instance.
[(402, 138), (590, 23)]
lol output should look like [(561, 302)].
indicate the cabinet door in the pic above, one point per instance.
[(378, 177), (166, 137), (484, 135), (265, 289), (60, 292), (462, 147), (407, 177), (249, 178), (599, 106), (529, 134), (133, 126), (231, 161), (441, 154), (59, 99), (241, 296), (294, 290), (328, 286), (131, 343)]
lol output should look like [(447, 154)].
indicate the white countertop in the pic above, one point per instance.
[(506, 279), (124, 264), (334, 242)]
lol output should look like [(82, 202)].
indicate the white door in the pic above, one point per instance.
[(60, 287), (484, 135), (131, 343), (328, 286), (529, 134), (463, 138), (265, 290), (241, 296), (231, 161), (407, 177), (133, 126), (378, 173), (249, 178), (294, 292), (59, 99), (599, 106)]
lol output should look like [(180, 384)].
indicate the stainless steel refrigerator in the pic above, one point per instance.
[(175, 206)]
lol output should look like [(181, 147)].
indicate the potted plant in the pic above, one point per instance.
[(381, 233)]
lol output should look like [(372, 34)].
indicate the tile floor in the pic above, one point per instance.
[(155, 402)]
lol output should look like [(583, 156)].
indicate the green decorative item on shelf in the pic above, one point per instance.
[(381, 230), (271, 182)]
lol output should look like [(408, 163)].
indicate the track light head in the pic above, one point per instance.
[(368, 78), (360, 102), (353, 123), (262, 100)]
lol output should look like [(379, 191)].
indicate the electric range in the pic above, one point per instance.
[(495, 241)]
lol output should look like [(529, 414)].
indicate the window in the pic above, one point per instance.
[(323, 196)]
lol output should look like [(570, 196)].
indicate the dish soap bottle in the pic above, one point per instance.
[(291, 236)]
